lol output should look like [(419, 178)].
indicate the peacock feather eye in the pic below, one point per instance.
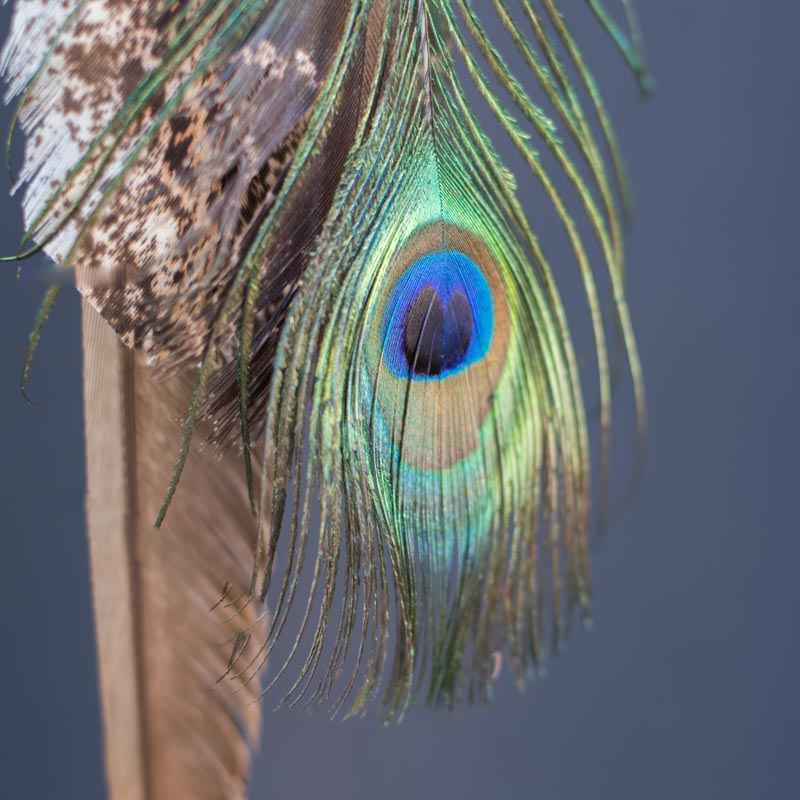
[(438, 319), (436, 357)]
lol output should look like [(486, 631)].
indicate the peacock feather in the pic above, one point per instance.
[(298, 215)]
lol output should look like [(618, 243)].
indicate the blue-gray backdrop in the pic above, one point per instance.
[(687, 687)]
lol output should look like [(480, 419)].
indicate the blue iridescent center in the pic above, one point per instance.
[(439, 317)]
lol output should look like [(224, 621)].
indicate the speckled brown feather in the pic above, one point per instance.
[(155, 245)]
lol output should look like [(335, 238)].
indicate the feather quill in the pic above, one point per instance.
[(297, 241), (162, 640)]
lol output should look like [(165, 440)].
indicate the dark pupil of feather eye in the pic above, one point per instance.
[(437, 338)]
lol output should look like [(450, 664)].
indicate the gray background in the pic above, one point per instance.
[(687, 686)]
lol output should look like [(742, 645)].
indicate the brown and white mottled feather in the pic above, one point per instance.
[(171, 605), (155, 210)]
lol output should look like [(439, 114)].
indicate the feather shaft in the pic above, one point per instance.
[(169, 733)]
